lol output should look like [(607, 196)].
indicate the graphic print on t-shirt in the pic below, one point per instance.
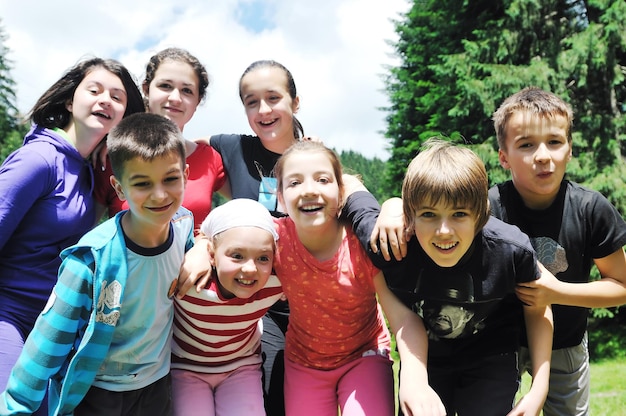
[(448, 306), (550, 254)]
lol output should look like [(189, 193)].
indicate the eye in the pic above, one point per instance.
[(188, 91), (460, 214), (251, 102), (323, 180), (171, 179), (236, 256), (265, 259), (293, 183), (164, 86), (427, 214), (142, 184)]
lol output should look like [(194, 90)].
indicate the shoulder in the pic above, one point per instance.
[(499, 233), (96, 238), (219, 141)]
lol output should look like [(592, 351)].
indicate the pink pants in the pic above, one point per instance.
[(238, 392), (363, 387)]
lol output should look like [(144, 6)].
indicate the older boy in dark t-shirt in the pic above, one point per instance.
[(570, 227)]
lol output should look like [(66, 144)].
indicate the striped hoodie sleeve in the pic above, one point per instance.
[(55, 336)]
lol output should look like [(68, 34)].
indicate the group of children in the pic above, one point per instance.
[(469, 294)]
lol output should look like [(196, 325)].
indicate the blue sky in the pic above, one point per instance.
[(337, 51)]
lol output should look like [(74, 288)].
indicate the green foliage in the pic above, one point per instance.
[(460, 59), (8, 110), (11, 142), (368, 169)]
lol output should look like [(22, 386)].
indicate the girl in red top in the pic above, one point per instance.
[(337, 346)]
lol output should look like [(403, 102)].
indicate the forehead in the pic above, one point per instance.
[(524, 123), (177, 70), (162, 165), (264, 79), (103, 76), (302, 162)]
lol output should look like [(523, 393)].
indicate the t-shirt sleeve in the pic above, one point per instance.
[(608, 227)]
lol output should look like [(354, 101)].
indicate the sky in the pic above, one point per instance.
[(338, 51)]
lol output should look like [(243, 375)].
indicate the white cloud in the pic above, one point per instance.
[(337, 51)]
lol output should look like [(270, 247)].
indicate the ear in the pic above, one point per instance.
[(295, 105), (117, 186), (211, 251), (69, 105), (186, 173), (502, 157)]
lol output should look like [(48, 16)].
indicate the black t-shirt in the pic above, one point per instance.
[(470, 309), (250, 168), (580, 225)]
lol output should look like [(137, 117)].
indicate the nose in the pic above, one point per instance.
[(542, 154), (159, 193), (309, 187), (105, 98), (249, 266), (264, 107), (174, 95), (443, 228)]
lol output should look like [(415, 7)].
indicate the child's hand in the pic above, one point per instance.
[(389, 231), (540, 292), (100, 154), (203, 140), (196, 268), (420, 401), (527, 406)]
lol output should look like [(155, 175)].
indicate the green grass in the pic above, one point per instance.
[(608, 387)]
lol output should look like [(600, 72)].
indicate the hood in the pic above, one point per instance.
[(39, 134)]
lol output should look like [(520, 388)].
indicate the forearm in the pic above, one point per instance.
[(539, 330), (603, 293)]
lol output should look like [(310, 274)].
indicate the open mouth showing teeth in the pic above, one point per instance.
[(267, 123), (103, 115), (448, 246), (311, 208), (245, 282)]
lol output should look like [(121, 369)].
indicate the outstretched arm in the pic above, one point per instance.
[(608, 291), (416, 396)]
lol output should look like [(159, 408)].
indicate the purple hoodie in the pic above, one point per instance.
[(46, 205)]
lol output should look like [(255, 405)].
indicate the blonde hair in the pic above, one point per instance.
[(535, 102), (444, 172)]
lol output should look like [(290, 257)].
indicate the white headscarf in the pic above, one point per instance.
[(240, 212)]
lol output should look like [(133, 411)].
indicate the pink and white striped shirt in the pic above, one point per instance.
[(213, 334)]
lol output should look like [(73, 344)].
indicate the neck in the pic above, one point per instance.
[(322, 241), (84, 142), (144, 235), (278, 145)]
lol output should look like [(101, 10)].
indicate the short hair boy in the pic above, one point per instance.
[(103, 339), (571, 228), (459, 274)]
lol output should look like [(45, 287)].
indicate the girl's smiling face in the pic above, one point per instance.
[(174, 92), (268, 104), (242, 257)]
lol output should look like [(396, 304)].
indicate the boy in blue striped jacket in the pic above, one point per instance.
[(102, 344)]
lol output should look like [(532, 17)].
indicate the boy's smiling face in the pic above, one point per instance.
[(445, 233), (537, 152), (154, 191)]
